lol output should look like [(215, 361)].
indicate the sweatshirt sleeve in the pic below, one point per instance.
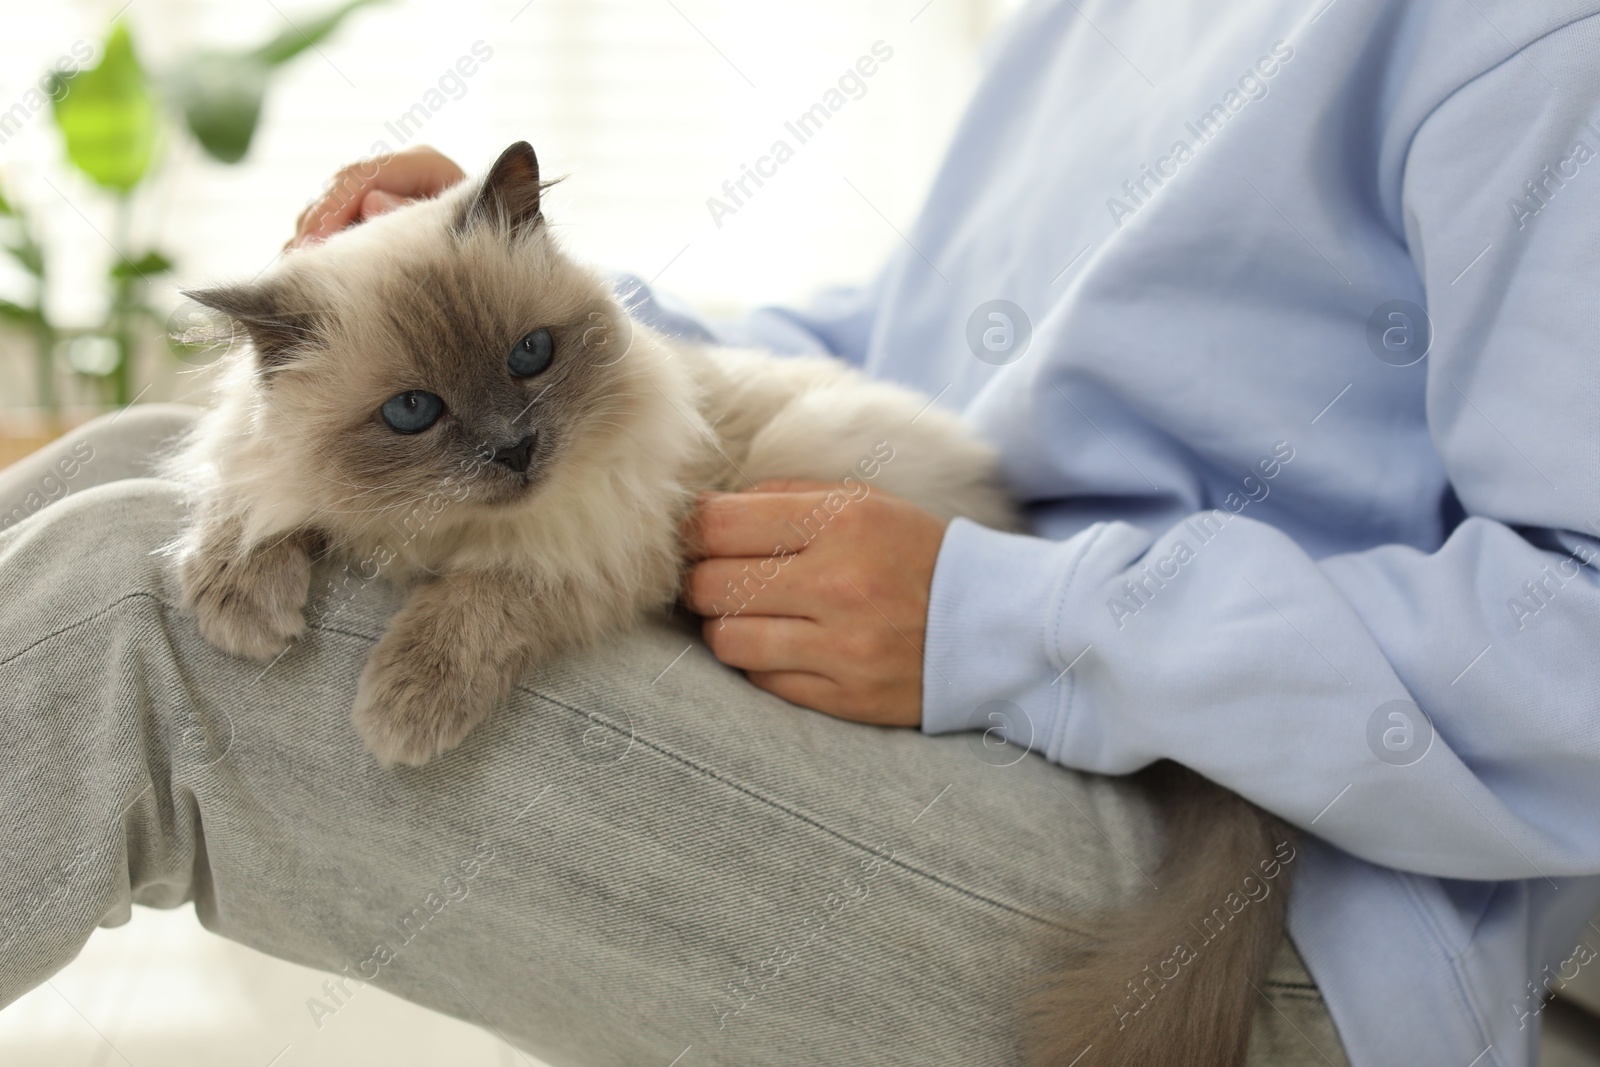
[(1432, 712), (837, 322)]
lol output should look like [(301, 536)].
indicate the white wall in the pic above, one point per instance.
[(647, 106)]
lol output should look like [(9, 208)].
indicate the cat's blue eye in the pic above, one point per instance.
[(531, 355), (412, 411)]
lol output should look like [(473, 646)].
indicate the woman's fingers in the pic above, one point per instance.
[(800, 687), (378, 202), (766, 643), (761, 523), (419, 171), (734, 586), (338, 206)]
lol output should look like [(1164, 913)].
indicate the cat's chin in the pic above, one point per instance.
[(511, 490)]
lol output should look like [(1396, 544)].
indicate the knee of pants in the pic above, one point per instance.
[(125, 444), (129, 443), (83, 554)]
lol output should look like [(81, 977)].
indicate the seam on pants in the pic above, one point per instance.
[(809, 820), (763, 798), (53, 634), (685, 761)]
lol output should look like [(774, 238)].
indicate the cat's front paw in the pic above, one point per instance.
[(252, 605), (416, 699)]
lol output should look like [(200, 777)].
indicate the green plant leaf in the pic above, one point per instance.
[(29, 255), (108, 118), (146, 265), (305, 33), (5, 205), (220, 94), (17, 313)]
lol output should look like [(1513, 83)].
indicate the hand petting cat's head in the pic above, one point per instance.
[(447, 347)]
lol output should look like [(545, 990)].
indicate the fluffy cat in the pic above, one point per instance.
[(449, 351), (447, 371)]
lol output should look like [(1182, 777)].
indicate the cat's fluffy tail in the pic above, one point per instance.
[(1173, 979)]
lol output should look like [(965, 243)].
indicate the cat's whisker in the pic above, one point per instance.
[(532, 402), (354, 511)]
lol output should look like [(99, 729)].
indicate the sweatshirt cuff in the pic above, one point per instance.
[(990, 658)]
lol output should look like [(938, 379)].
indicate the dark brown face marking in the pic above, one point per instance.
[(279, 323), (445, 326)]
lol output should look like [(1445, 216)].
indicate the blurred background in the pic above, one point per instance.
[(153, 144)]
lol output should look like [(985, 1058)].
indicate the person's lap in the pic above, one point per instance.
[(639, 853)]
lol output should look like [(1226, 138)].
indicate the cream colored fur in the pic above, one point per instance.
[(597, 539)]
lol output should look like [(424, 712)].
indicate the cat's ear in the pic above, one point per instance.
[(277, 330), (509, 196)]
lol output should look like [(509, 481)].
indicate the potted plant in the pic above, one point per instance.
[(111, 118)]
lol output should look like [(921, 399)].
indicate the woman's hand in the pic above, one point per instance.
[(819, 593), (372, 187)]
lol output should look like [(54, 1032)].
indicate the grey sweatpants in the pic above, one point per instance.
[(639, 857)]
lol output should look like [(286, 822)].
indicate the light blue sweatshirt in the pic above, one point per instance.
[(1336, 553)]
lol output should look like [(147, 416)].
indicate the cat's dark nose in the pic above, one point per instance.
[(516, 457)]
